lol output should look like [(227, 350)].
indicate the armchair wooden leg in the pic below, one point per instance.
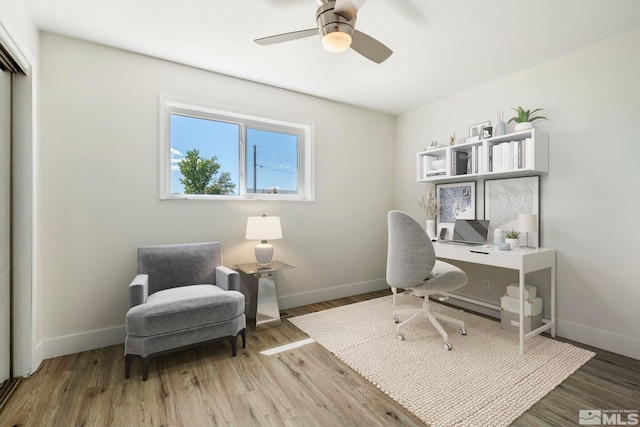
[(234, 345), (145, 368), (243, 334), (127, 366)]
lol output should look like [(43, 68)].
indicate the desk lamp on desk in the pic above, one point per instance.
[(528, 223)]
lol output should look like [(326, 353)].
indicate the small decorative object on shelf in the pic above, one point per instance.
[(433, 146), (430, 207), (512, 238), (525, 118), (500, 128), (476, 131)]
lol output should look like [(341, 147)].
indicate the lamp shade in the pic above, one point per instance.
[(263, 228), (528, 223)]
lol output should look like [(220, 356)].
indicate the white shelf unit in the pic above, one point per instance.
[(514, 154)]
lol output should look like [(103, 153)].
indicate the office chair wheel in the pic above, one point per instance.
[(396, 319), (447, 346), (463, 331), (400, 336)]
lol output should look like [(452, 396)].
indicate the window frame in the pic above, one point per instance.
[(304, 130)]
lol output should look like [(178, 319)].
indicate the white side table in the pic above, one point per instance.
[(267, 310)]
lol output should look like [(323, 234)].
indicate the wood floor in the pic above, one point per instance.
[(306, 386)]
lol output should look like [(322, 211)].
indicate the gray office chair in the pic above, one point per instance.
[(412, 265), (181, 297)]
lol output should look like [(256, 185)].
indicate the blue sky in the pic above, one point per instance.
[(276, 153)]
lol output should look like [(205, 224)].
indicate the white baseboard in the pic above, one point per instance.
[(473, 307), (69, 344), (605, 340), (327, 294), (90, 340)]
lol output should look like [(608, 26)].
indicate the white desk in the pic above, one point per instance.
[(525, 260)]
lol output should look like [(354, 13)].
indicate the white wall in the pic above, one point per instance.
[(589, 199), (98, 198)]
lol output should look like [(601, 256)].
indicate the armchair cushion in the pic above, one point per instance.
[(184, 307)]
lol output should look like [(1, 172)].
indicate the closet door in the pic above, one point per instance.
[(5, 225)]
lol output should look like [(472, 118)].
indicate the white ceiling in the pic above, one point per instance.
[(440, 46)]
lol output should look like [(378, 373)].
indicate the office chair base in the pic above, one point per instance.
[(432, 316)]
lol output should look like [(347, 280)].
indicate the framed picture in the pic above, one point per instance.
[(455, 201), (477, 130), (505, 199)]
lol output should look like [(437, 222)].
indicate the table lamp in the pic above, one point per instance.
[(528, 223), (263, 228)]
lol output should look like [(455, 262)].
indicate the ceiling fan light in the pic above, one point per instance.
[(336, 41)]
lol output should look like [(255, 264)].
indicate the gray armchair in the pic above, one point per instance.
[(181, 297), (412, 265)]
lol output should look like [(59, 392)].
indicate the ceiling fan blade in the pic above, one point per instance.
[(369, 47), (287, 37), (347, 8)]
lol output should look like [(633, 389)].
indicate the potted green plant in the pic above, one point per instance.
[(512, 238), (525, 118)]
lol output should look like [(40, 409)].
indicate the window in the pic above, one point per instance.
[(208, 152)]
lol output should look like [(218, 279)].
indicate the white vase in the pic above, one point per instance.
[(498, 236), (499, 129), (513, 243), (431, 228), (523, 126)]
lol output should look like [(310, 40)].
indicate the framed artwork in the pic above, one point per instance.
[(487, 132), (505, 199), (455, 201), (477, 130)]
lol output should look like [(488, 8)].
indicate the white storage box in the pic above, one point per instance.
[(511, 322), (530, 292), (532, 306)]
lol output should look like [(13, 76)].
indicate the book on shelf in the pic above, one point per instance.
[(459, 162), (511, 155)]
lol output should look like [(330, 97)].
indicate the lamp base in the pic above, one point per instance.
[(529, 247), (264, 254)]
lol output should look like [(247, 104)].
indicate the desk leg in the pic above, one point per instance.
[(553, 299), (267, 310), (521, 303)]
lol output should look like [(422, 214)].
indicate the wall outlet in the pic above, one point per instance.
[(486, 286)]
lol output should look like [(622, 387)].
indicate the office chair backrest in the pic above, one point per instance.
[(410, 253)]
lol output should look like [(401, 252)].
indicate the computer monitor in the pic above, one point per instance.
[(471, 230)]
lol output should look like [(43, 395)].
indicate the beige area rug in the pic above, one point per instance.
[(483, 381)]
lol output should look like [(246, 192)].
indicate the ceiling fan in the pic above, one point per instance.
[(336, 21)]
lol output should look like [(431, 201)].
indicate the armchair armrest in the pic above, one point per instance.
[(227, 279), (138, 290)]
